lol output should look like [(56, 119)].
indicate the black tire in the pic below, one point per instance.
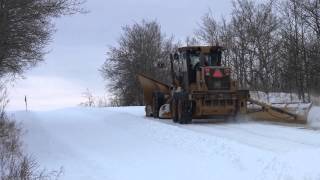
[(174, 107), (157, 100), (184, 109)]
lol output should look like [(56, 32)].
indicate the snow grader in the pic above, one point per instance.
[(203, 89)]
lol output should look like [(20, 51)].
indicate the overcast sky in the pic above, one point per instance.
[(78, 48)]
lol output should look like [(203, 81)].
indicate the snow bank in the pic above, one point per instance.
[(275, 97), (314, 117)]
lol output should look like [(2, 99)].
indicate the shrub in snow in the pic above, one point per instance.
[(14, 164)]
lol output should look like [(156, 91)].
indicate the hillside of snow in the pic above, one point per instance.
[(122, 144)]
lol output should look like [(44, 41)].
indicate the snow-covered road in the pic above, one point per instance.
[(121, 144)]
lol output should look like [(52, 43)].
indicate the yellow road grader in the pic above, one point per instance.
[(202, 88)]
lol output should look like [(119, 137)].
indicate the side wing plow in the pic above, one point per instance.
[(279, 113)]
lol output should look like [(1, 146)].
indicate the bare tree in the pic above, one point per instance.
[(271, 45), (14, 163), (25, 28), (310, 10), (300, 47), (208, 30), (191, 41), (253, 40), (102, 102), (140, 49), (89, 99)]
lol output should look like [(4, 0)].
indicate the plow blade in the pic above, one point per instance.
[(264, 111), (149, 86)]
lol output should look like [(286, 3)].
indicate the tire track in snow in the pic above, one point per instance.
[(268, 137), (272, 137)]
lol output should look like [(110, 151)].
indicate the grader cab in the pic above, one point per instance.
[(202, 88)]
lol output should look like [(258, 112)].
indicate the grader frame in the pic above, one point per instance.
[(202, 88)]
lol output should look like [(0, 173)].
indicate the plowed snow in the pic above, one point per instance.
[(121, 144)]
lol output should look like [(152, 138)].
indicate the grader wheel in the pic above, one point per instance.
[(157, 101), (181, 109), (174, 108)]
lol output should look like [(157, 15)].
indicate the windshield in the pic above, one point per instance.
[(212, 59), (194, 59)]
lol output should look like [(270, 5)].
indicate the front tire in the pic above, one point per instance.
[(184, 109), (174, 108)]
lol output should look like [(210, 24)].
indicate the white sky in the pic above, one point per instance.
[(78, 48)]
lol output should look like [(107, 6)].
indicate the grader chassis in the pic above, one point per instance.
[(202, 88)]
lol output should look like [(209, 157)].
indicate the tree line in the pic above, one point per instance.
[(271, 46)]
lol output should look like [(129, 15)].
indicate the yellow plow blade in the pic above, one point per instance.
[(263, 111), (149, 86)]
